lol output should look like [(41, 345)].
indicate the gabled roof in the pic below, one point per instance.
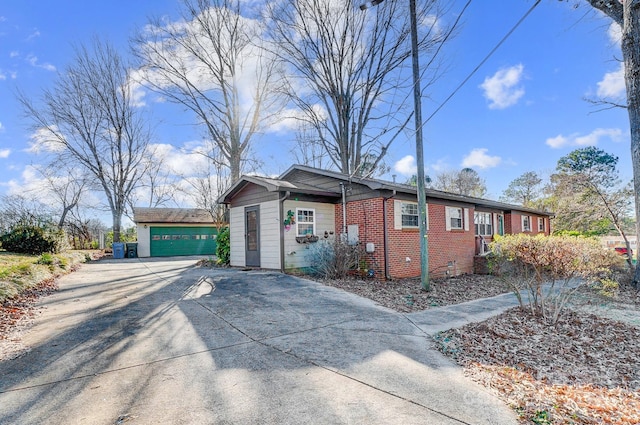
[(274, 185), (171, 215), (376, 184), (283, 184)]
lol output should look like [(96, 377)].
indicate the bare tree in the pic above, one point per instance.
[(465, 182), (349, 74), (206, 185), (16, 209), (89, 119), (212, 63), (157, 185), (627, 15), (66, 186), (309, 149)]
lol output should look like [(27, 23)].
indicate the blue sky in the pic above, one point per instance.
[(520, 112)]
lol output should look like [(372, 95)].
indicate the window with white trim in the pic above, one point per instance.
[(526, 223), (541, 224), (410, 218), (305, 222), (406, 215), (454, 215), (483, 222)]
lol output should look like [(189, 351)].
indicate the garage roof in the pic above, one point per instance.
[(172, 215)]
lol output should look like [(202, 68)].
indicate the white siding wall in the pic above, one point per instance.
[(270, 235), (236, 237), (296, 254), (144, 240)]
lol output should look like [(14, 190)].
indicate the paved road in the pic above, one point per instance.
[(164, 342)]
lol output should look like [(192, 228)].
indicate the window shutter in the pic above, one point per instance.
[(466, 219), (495, 223), (427, 214), (397, 215), (447, 218), (522, 218)]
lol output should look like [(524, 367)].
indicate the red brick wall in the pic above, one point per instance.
[(367, 214), (450, 252), (513, 224)]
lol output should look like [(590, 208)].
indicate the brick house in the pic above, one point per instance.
[(273, 222)]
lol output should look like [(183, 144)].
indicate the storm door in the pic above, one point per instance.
[(252, 236)]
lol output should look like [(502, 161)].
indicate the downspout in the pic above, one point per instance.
[(281, 225), (386, 236), (344, 209)]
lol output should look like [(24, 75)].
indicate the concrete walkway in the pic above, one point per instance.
[(162, 341)]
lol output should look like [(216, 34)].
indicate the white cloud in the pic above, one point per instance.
[(431, 22), (4, 153), (591, 139), (558, 141), (478, 158), (33, 61), (1, 127), (34, 34), (4, 74), (441, 164), (184, 162), (406, 166), (44, 140), (612, 84), (503, 89), (615, 33), (14, 54)]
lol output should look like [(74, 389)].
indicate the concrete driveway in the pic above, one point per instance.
[(164, 342)]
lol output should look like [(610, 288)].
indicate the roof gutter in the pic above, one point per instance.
[(385, 235), (281, 200)]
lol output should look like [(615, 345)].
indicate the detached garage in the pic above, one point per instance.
[(165, 232)]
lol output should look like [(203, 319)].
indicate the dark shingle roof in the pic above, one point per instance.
[(171, 215)]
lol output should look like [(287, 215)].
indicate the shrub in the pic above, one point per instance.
[(32, 239), (546, 271), (223, 247), (334, 259)]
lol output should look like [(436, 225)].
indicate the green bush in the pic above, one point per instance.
[(31, 239), (223, 246)]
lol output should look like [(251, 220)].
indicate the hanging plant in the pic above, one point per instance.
[(290, 220)]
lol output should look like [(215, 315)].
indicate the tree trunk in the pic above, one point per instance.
[(631, 55), (117, 225)]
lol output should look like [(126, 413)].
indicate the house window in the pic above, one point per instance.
[(306, 222), (526, 223), (483, 223), (410, 214), (541, 227), (455, 218), (406, 215)]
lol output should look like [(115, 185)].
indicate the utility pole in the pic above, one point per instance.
[(417, 99)]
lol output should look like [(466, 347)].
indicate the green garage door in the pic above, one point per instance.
[(170, 241)]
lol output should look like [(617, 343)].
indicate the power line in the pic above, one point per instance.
[(482, 62)]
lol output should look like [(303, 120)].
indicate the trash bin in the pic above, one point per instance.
[(118, 250), (132, 250)]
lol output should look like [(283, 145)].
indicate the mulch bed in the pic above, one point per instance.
[(14, 310), (581, 371), (407, 295)]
